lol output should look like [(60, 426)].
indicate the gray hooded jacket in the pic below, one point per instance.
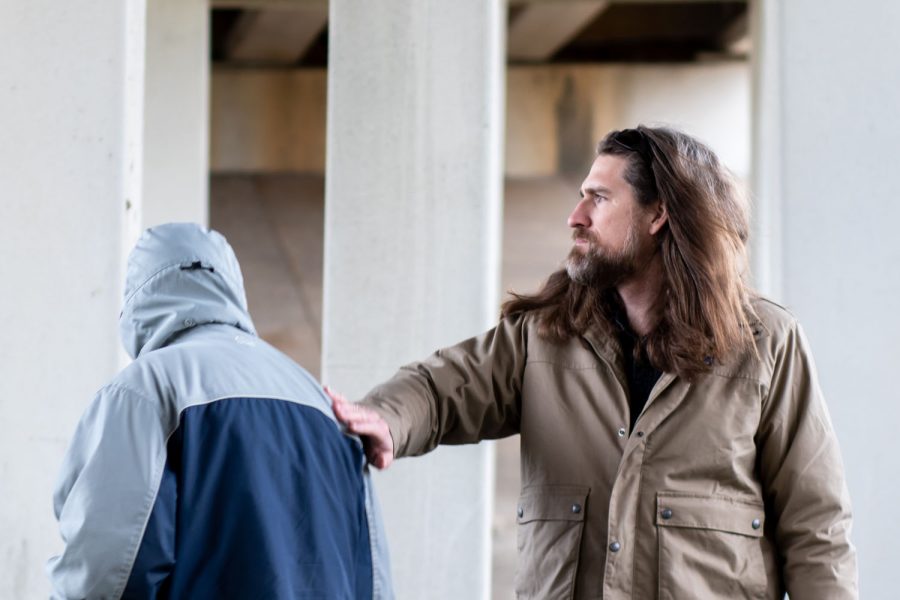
[(211, 466)]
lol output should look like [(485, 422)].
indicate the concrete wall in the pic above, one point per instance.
[(70, 163), (275, 225), (275, 120), (828, 85), (268, 120), (412, 248), (73, 160), (176, 136), (556, 114)]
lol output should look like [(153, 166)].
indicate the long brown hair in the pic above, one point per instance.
[(705, 310)]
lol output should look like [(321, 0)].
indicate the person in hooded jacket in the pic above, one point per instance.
[(211, 466)]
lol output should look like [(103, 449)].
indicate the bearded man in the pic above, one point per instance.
[(674, 439)]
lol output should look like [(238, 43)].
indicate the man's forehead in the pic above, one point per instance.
[(607, 173)]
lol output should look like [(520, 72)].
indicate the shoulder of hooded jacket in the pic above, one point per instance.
[(217, 364), (144, 381)]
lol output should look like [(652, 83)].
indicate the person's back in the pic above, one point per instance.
[(212, 466)]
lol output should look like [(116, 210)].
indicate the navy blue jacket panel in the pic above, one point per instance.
[(292, 479)]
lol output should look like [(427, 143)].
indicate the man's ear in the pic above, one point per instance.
[(660, 218)]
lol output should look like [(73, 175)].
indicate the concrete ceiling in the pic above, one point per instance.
[(538, 31), (275, 36), (293, 33)]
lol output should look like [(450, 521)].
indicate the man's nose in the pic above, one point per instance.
[(579, 216)]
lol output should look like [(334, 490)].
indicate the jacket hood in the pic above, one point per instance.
[(179, 276)]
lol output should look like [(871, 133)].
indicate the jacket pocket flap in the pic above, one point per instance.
[(552, 503), (721, 513)]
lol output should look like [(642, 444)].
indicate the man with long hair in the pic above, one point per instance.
[(675, 442)]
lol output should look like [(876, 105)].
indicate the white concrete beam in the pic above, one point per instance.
[(543, 28), (279, 36), (828, 88), (70, 163), (176, 131), (412, 248)]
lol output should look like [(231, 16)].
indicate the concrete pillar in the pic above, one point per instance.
[(828, 130), (70, 162), (412, 238), (176, 137)]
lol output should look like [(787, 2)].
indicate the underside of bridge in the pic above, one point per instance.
[(259, 33)]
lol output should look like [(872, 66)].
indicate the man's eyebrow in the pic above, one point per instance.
[(594, 191)]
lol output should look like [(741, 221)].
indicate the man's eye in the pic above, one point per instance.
[(599, 199)]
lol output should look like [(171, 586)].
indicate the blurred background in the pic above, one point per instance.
[(387, 171)]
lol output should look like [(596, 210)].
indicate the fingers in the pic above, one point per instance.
[(372, 429), (381, 461), (343, 409), (352, 415), (335, 396), (368, 424)]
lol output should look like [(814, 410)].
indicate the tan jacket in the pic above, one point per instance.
[(728, 487)]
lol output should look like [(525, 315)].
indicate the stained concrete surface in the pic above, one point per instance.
[(275, 224)]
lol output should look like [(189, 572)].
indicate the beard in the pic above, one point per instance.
[(600, 268)]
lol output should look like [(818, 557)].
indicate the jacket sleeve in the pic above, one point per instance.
[(458, 395), (105, 493), (803, 480)]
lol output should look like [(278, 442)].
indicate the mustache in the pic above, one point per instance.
[(580, 233)]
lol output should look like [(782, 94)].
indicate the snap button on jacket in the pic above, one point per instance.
[(730, 486)]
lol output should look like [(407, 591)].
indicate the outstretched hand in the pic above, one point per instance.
[(368, 425)]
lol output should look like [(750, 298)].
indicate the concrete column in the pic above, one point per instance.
[(176, 137), (412, 238), (828, 130), (70, 163)]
